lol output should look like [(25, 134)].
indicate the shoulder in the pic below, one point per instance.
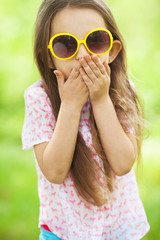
[(36, 89), (36, 95), (39, 121)]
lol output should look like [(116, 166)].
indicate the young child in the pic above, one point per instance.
[(84, 123)]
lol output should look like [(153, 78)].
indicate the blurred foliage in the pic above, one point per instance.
[(19, 205)]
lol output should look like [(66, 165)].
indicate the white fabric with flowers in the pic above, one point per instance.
[(67, 215)]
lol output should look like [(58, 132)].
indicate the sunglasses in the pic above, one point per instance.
[(65, 45)]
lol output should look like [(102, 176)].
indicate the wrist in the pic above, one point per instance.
[(70, 108), (101, 102)]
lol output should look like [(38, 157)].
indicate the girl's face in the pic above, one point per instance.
[(77, 21)]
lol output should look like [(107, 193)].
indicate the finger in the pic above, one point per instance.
[(87, 69), (86, 79), (75, 72), (108, 70), (99, 64), (81, 84), (93, 66), (60, 78)]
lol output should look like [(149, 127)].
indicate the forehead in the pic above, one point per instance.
[(77, 21)]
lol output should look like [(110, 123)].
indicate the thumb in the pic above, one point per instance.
[(60, 78)]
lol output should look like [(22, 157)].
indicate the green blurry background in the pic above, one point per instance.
[(139, 23)]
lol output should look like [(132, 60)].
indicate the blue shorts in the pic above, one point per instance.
[(45, 235)]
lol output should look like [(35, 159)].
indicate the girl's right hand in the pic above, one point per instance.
[(74, 92)]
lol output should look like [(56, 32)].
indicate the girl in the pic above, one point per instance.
[(84, 123)]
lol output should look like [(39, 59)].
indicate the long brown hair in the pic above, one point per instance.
[(123, 96)]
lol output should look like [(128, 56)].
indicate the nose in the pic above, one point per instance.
[(82, 51)]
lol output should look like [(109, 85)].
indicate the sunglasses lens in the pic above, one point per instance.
[(98, 42), (64, 46)]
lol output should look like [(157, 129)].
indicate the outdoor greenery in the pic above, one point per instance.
[(19, 205)]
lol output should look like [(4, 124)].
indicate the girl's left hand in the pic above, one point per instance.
[(96, 75)]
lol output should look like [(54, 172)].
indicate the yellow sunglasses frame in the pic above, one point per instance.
[(79, 42)]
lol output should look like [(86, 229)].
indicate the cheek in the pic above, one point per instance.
[(104, 57), (62, 66)]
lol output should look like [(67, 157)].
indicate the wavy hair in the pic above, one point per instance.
[(124, 97)]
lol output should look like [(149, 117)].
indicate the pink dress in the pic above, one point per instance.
[(67, 215)]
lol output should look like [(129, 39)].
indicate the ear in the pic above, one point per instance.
[(50, 61), (116, 48)]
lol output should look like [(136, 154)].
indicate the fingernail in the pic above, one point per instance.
[(81, 59), (88, 57)]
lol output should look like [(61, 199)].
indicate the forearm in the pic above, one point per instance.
[(117, 146), (58, 155)]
